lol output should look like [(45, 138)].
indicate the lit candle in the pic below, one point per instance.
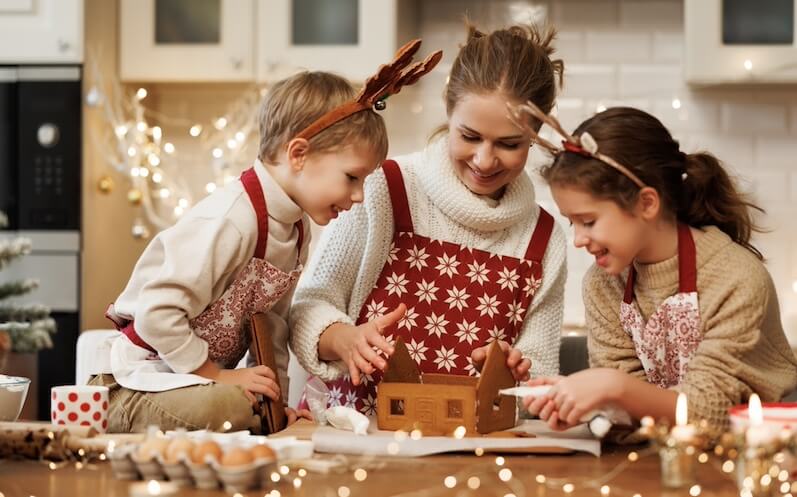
[(757, 433), (682, 431), (152, 488)]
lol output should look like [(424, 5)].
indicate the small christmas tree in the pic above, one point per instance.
[(23, 327)]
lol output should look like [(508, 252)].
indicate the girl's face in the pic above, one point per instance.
[(331, 182), (613, 235), (486, 149)]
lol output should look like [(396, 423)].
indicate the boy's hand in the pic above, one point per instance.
[(294, 415), (514, 360), (255, 380), (355, 345)]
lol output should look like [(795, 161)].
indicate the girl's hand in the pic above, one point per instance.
[(355, 345), (571, 397), (535, 405), (296, 414), (514, 359), (258, 379)]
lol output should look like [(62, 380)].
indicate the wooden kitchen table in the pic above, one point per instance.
[(390, 477)]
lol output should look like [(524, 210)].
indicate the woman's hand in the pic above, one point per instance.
[(514, 359), (359, 346)]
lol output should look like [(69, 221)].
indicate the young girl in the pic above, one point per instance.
[(678, 299), (449, 250), (185, 313)]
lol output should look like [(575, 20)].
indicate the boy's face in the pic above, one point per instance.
[(331, 182)]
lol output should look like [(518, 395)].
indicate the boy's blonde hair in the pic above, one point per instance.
[(294, 103)]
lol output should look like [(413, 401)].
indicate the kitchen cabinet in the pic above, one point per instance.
[(186, 40), (41, 31), (349, 37), (259, 40)]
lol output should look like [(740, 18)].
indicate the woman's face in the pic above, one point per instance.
[(486, 148)]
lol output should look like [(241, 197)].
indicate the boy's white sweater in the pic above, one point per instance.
[(353, 249)]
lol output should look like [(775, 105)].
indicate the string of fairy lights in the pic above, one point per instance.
[(497, 477), (152, 168)]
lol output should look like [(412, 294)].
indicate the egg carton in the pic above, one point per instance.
[(237, 461)]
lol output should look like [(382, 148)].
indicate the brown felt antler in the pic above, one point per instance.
[(388, 80), (584, 144)]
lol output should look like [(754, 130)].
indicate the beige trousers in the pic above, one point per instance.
[(194, 408)]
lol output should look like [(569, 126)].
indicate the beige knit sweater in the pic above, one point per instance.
[(744, 349)]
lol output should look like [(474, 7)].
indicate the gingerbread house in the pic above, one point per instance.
[(437, 404)]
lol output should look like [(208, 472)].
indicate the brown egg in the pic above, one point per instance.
[(263, 451), (152, 447), (176, 448), (202, 449), (237, 457)]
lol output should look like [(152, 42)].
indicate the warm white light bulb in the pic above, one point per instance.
[(195, 130), (221, 123), (141, 93), (157, 177), (748, 65), (210, 187), (676, 103), (218, 153), (168, 147)]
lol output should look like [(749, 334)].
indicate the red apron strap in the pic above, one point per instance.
[(628, 297), (255, 192), (398, 196), (540, 237), (687, 266), (687, 260), (299, 226)]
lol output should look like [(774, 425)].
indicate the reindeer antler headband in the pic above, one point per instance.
[(584, 144), (387, 81)]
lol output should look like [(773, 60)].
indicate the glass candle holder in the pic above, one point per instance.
[(757, 472), (678, 464)]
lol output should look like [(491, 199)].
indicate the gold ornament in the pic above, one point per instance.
[(105, 185), (134, 196)]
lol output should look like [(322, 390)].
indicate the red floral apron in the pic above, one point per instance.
[(669, 339), (225, 323), (458, 298)]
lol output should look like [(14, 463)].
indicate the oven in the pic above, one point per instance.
[(40, 184)]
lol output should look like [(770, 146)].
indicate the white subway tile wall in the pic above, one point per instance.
[(624, 52)]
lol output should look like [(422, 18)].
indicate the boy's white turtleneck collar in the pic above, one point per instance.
[(448, 193)]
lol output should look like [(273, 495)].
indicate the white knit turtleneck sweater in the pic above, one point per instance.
[(353, 249)]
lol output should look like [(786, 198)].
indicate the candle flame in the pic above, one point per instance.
[(153, 487), (754, 410), (681, 413)]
